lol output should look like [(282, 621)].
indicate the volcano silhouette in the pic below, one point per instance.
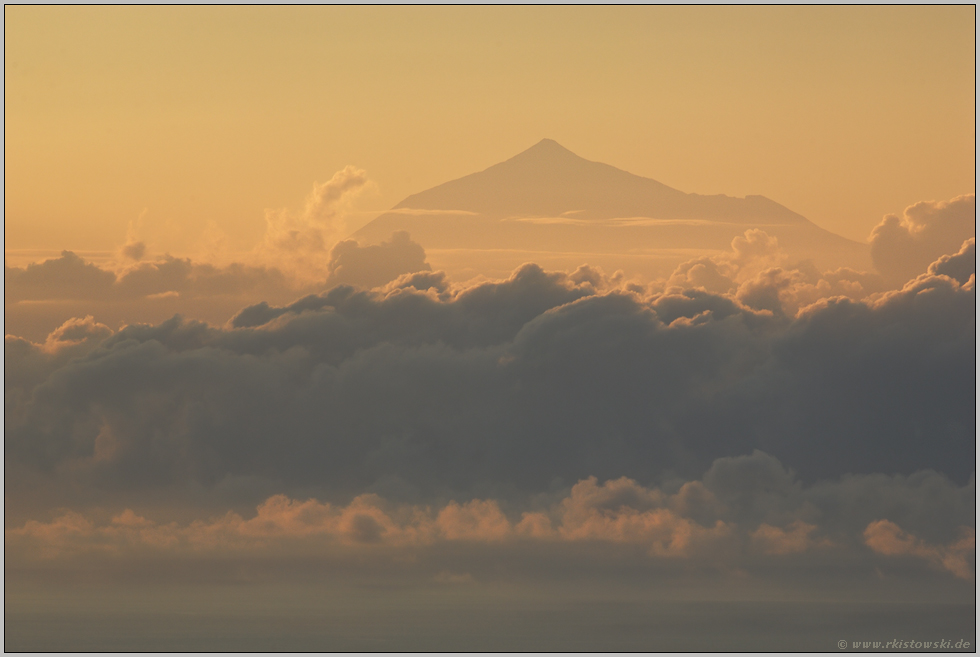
[(549, 204)]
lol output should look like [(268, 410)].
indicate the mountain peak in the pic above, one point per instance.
[(548, 180), (548, 199), (546, 149), (550, 145)]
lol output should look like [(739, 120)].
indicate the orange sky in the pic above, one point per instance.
[(180, 118), (522, 405)]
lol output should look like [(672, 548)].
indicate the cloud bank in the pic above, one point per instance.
[(41, 296), (747, 415), (747, 513), (430, 388)]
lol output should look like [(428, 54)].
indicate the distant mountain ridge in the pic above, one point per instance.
[(547, 199), (549, 180)]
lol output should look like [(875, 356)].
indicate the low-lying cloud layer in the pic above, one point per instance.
[(70, 277), (303, 251), (747, 512), (427, 386), (41, 296)]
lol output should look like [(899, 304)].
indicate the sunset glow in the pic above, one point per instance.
[(489, 328)]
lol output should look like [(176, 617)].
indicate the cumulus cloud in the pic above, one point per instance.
[(564, 415), (68, 276), (756, 272), (751, 253), (375, 265), (706, 273), (294, 257), (793, 539), (959, 266), (659, 521), (622, 511), (431, 388), (75, 333), (902, 247), (298, 242), (41, 296), (27, 364), (134, 248), (71, 277), (887, 538)]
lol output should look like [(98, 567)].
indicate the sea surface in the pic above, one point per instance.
[(441, 623)]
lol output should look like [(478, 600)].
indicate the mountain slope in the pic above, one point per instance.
[(549, 200), (548, 180)]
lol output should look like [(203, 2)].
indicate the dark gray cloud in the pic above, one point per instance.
[(40, 297), (134, 250), (959, 266), (421, 388), (377, 264), (70, 277)]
